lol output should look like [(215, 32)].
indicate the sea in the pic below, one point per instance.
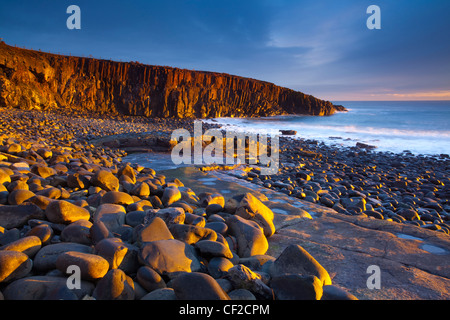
[(417, 127)]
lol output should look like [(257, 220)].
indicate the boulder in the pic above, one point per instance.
[(91, 266), (50, 192), (218, 227), (15, 216), (43, 170), (155, 230), (207, 198), (117, 197), (29, 245), (128, 171), (44, 232), (115, 285), (242, 277), (19, 196), (198, 286), (251, 208), (249, 236), (141, 190), (169, 256), (191, 234), (76, 180), (172, 215), (149, 279), (14, 265), (241, 294), (332, 292), (219, 266), (296, 260), (4, 176), (105, 180), (64, 212), (112, 215), (46, 257), (98, 232), (409, 214), (208, 249), (40, 201), (119, 254), (296, 287), (78, 231), (141, 205), (43, 287)]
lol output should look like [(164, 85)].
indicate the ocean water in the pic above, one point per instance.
[(420, 127)]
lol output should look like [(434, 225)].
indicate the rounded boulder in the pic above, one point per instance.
[(64, 212)]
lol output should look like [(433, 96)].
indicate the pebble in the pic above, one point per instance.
[(16, 216)]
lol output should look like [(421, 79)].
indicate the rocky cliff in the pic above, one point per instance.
[(36, 80)]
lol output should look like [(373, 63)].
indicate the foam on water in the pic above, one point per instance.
[(419, 127)]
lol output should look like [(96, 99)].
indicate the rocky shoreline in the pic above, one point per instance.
[(70, 208)]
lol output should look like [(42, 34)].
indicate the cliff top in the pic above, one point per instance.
[(32, 79)]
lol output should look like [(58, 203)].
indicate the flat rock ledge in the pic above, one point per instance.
[(413, 262)]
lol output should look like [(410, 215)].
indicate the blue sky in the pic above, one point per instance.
[(318, 47)]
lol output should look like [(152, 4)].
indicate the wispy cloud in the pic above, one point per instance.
[(318, 47)]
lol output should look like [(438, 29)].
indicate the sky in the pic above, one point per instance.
[(323, 48)]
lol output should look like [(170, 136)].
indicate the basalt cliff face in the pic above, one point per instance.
[(36, 80)]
